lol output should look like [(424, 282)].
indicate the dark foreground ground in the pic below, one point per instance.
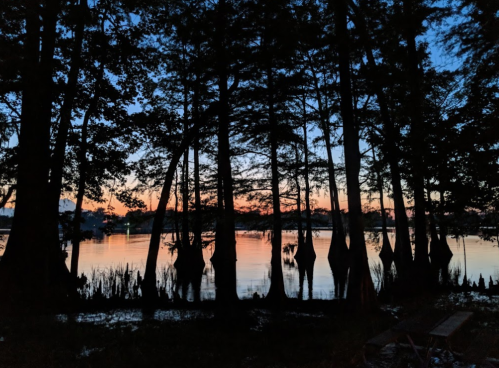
[(305, 334)]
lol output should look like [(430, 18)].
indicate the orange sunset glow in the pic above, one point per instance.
[(318, 201)]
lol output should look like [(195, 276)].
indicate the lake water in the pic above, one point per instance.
[(253, 261)]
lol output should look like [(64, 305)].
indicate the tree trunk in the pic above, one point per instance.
[(59, 153), (185, 179), (306, 259), (197, 243), (299, 224), (310, 252), (224, 257), (33, 267), (446, 253), (149, 290), (403, 251), (361, 294), (307, 253), (183, 246), (75, 252), (175, 214), (338, 247), (417, 136), (83, 168), (198, 215), (386, 249), (276, 292)]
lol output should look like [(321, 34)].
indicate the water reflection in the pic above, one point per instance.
[(306, 271), (253, 264)]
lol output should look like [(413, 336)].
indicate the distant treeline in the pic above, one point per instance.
[(142, 221)]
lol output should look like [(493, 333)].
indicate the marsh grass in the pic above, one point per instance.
[(123, 282)]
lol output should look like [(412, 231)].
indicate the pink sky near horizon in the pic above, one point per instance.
[(318, 201)]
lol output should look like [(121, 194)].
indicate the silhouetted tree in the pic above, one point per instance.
[(403, 252), (33, 265), (360, 293)]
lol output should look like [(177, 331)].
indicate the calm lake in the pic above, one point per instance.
[(253, 261)]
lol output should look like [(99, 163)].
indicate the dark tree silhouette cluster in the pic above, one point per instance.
[(207, 103)]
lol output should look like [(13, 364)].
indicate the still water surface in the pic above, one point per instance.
[(253, 261)]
